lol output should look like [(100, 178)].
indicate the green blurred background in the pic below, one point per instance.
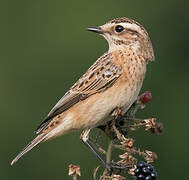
[(45, 48)]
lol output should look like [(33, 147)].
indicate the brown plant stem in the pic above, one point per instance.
[(109, 152)]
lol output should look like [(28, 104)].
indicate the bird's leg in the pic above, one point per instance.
[(85, 139), (97, 146)]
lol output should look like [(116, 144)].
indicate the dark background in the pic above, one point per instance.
[(45, 48)]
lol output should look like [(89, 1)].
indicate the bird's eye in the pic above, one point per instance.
[(119, 28)]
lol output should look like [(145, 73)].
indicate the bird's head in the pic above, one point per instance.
[(126, 33)]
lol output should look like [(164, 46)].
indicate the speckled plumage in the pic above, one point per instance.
[(113, 81)]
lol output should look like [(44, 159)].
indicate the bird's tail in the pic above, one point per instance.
[(30, 146)]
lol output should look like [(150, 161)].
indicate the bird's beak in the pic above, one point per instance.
[(96, 29)]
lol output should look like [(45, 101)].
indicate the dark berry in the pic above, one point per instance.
[(145, 171), (150, 167), (140, 177), (137, 171), (153, 175), (141, 164), (148, 178)]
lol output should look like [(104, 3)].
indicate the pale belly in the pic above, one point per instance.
[(97, 108)]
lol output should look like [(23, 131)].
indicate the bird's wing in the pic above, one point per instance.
[(100, 76)]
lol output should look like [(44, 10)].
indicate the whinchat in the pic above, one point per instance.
[(113, 81)]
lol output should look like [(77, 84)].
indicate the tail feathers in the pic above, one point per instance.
[(30, 146)]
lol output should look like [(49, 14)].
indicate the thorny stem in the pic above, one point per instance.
[(117, 129), (134, 151), (108, 157), (126, 144)]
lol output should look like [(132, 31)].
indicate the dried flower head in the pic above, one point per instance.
[(150, 156), (150, 123), (74, 170), (157, 129), (128, 142), (127, 160)]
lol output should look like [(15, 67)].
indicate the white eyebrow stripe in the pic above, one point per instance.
[(134, 27)]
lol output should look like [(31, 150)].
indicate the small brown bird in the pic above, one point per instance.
[(113, 81)]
